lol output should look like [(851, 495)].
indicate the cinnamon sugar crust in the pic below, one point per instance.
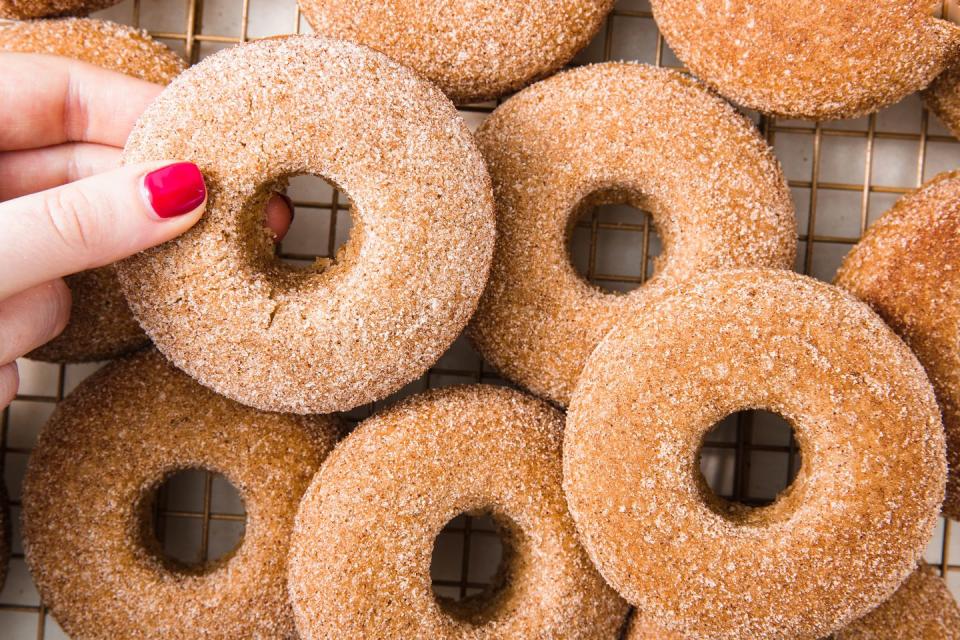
[(615, 132), (219, 304), (360, 557), (474, 51), (810, 59), (835, 544), (907, 267), (89, 482), (922, 609)]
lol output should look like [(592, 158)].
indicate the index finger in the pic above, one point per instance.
[(48, 100)]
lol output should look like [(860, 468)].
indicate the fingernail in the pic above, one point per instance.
[(293, 210), (174, 190)]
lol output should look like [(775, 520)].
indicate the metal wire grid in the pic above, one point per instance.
[(813, 188)]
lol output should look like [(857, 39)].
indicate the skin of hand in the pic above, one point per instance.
[(67, 204)]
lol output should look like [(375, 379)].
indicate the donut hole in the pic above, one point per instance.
[(613, 241), (471, 564), (323, 232), (748, 464), (192, 521)]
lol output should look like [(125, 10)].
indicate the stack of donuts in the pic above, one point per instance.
[(230, 360)]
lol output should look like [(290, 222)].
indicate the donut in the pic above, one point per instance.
[(905, 268), (474, 51), (604, 134), (90, 484), (28, 9), (921, 608), (838, 541), (218, 303), (810, 59), (361, 549), (942, 97), (101, 325)]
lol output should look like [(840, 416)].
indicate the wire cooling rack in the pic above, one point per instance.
[(843, 175)]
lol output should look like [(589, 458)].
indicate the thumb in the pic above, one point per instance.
[(96, 221)]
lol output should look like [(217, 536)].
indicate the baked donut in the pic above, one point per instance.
[(838, 541), (603, 134), (89, 489), (810, 59), (28, 9), (942, 97), (905, 267), (921, 609), (218, 303), (474, 51), (101, 325), (361, 549)]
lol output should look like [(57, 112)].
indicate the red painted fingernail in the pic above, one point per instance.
[(174, 190)]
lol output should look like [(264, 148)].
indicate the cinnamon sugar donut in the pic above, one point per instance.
[(218, 303), (942, 97), (810, 59), (101, 325), (921, 609), (838, 541), (28, 9), (361, 550), (473, 50), (88, 492), (613, 133), (906, 268)]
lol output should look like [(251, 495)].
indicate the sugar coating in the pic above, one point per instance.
[(29, 9), (105, 449), (361, 550), (218, 303), (907, 267), (921, 609), (810, 59), (942, 97), (838, 541), (607, 133), (474, 50), (101, 325)]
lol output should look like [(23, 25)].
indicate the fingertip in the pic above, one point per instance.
[(63, 303), (279, 215), (9, 383)]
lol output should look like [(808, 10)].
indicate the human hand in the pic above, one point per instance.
[(66, 204)]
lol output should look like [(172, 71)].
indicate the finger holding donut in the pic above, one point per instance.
[(88, 223), (325, 338)]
